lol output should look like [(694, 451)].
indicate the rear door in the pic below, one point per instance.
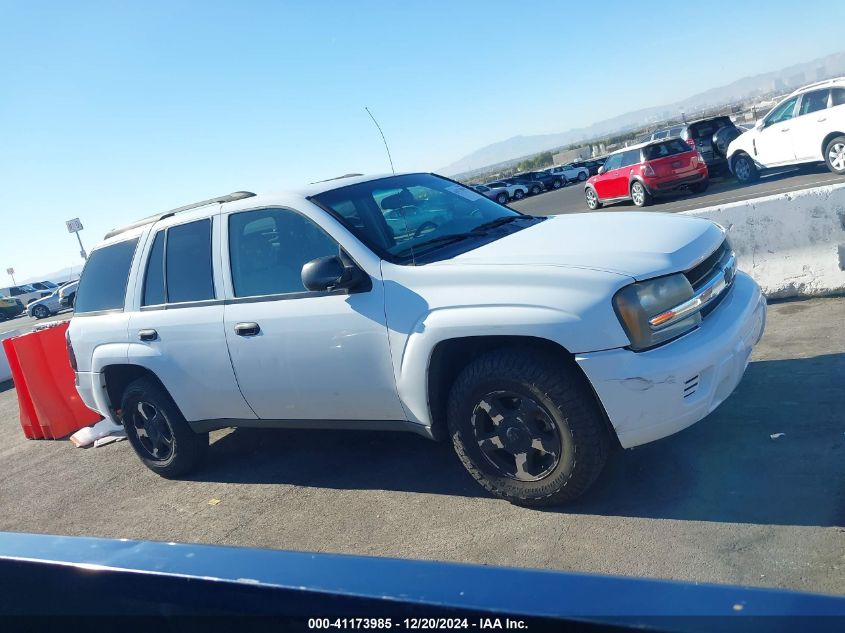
[(810, 125), (177, 329)]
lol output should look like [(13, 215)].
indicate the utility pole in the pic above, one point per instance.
[(11, 273), (75, 226)]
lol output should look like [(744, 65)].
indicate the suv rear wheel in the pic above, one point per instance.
[(834, 155), (518, 194), (527, 427), (639, 194), (158, 432), (40, 312), (502, 198), (535, 190)]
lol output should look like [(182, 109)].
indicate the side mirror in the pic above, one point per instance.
[(602, 170), (760, 124), (331, 273)]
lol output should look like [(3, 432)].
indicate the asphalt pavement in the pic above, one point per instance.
[(719, 502), (570, 199)]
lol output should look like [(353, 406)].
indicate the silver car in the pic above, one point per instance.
[(47, 306)]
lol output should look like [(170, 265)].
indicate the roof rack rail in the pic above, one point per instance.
[(237, 195)]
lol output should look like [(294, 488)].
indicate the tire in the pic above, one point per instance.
[(582, 176), (592, 198), (40, 312), (145, 400), (744, 169), (700, 187), (519, 194), (557, 184), (639, 194), (535, 190), (533, 395), (834, 155), (502, 198)]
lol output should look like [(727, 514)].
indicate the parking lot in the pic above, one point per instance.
[(570, 199), (719, 502)]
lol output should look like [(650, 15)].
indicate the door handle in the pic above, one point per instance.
[(786, 129), (822, 120), (247, 329), (147, 335)]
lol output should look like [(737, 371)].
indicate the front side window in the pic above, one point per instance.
[(406, 218), (813, 102), (783, 112), (104, 278), (269, 247), (614, 162), (188, 272)]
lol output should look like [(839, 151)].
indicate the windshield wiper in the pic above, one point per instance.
[(437, 241), (501, 221)]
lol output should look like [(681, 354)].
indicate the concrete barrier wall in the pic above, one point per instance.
[(792, 244)]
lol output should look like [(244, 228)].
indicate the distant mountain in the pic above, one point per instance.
[(776, 81), (59, 276)]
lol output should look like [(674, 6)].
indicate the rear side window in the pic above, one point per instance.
[(631, 157), (837, 97), (103, 282), (813, 102), (667, 148), (188, 262)]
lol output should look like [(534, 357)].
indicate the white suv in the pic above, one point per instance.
[(535, 344), (807, 126)]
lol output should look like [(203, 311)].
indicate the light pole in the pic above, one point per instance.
[(11, 273)]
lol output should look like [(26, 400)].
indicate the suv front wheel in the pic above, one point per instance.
[(158, 432), (527, 427), (744, 169)]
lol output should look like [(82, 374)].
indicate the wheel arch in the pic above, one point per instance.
[(118, 376), (450, 357), (827, 139)]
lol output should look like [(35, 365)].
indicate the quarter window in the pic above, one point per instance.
[(837, 97), (188, 262), (104, 278), (269, 247), (154, 278)]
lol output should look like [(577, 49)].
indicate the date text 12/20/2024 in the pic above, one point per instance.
[(491, 623)]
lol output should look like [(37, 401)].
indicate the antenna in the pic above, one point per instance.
[(383, 139)]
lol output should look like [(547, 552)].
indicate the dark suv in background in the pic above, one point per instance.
[(592, 165), (544, 179), (710, 137)]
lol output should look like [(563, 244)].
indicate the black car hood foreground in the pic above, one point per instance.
[(58, 575)]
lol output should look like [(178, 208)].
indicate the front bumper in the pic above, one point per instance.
[(653, 394)]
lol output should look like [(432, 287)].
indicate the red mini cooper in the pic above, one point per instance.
[(642, 171)]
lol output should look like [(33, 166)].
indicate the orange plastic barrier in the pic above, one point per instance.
[(50, 407)]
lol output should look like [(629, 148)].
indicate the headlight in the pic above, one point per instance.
[(641, 306)]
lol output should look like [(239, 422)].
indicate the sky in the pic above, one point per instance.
[(112, 111)]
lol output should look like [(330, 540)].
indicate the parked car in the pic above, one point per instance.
[(569, 173), (710, 136), (25, 293), (534, 186), (642, 171), (500, 194), (10, 308), (547, 181), (515, 191), (46, 306), (535, 344), (67, 294), (47, 286), (658, 135), (592, 165), (808, 126)]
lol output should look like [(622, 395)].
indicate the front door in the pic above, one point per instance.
[(297, 354), (810, 126), (773, 145), (605, 182)]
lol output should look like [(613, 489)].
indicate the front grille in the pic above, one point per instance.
[(699, 275)]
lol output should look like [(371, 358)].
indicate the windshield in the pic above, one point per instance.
[(402, 217)]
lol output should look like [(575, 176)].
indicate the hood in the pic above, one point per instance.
[(639, 245)]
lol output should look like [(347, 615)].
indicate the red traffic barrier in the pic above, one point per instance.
[(50, 407)]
